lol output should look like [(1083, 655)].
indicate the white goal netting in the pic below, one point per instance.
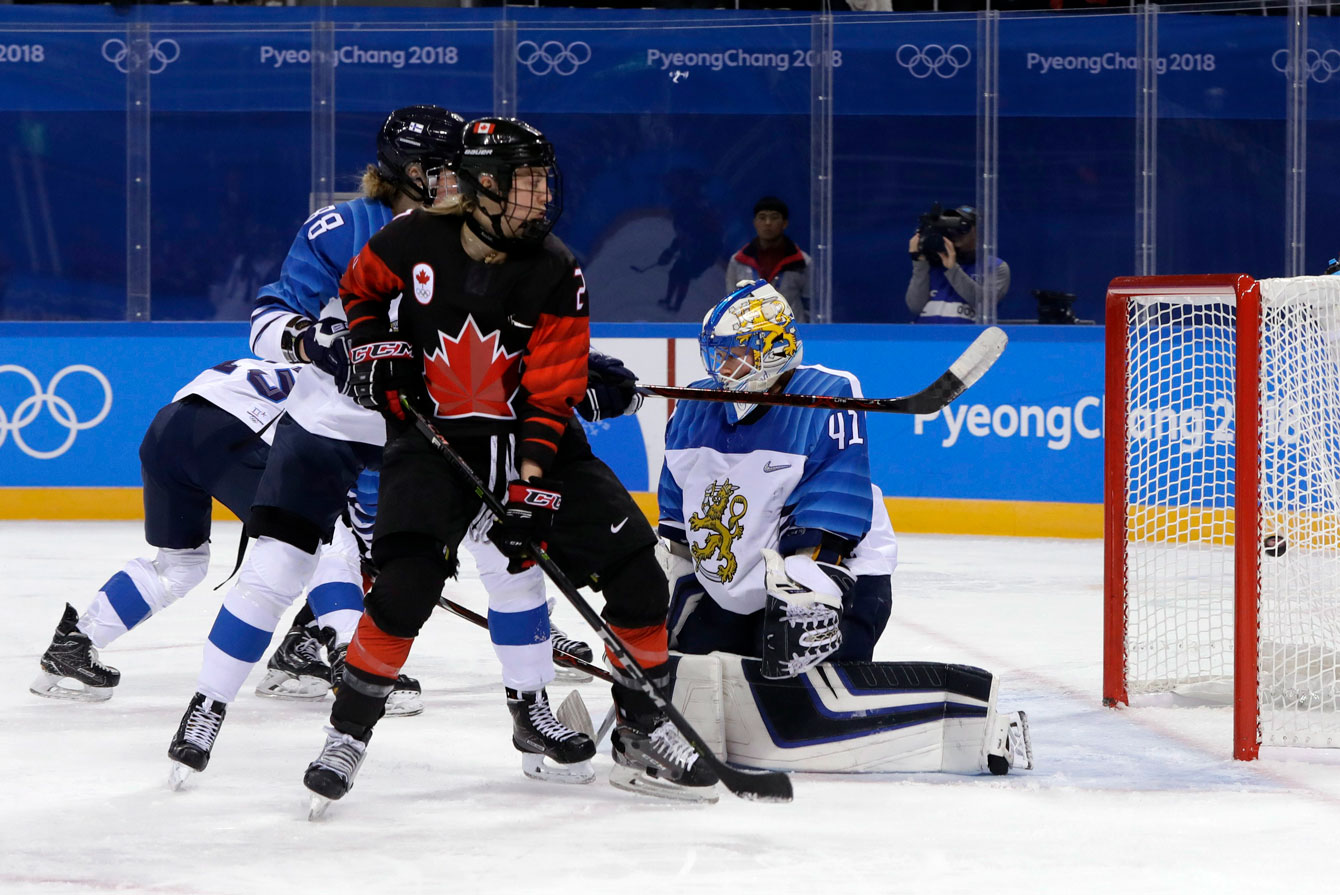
[(1181, 502)]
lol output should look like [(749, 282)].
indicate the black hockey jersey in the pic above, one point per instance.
[(503, 346)]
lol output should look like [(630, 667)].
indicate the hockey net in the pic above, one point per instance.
[(1222, 500)]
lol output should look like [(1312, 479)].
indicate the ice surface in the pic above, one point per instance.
[(1135, 800)]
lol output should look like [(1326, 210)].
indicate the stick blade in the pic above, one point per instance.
[(756, 785), (979, 356)]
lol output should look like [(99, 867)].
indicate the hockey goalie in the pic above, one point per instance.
[(779, 552)]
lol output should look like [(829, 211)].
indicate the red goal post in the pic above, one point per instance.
[(1222, 500)]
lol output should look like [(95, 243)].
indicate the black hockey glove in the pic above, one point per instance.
[(530, 510), (379, 372), (611, 389), (327, 345)]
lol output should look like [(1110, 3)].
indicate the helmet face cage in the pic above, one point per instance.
[(526, 183), (427, 136), (749, 339)]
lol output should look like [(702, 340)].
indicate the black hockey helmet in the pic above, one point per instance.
[(499, 147), (429, 136)]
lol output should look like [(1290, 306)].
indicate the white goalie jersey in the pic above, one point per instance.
[(728, 490)]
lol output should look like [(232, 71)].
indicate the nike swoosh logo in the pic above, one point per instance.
[(769, 467), (614, 529)]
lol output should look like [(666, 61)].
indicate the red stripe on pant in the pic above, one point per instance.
[(648, 645), (374, 651)]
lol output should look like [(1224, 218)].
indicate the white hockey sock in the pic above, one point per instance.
[(270, 580), (336, 589), (518, 620), (142, 589)]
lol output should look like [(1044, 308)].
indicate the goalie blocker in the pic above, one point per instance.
[(852, 716)]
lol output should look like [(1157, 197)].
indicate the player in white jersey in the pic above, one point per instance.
[(210, 442), (779, 549)]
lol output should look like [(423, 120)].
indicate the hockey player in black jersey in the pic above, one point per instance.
[(492, 346)]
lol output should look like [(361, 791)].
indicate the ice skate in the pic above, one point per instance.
[(71, 656), (538, 735), (406, 699), (660, 763), (1011, 747), (565, 644), (332, 774), (190, 748), (295, 669)]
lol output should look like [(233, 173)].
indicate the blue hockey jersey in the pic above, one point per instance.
[(310, 275)]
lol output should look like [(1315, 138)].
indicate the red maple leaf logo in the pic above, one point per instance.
[(473, 375), (422, 276)]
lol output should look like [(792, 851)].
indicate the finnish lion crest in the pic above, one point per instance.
[(721, 513)]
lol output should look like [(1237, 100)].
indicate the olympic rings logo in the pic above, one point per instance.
[(60, 409), (161, 54), (1320, 66), (933, 59), (552, 56)]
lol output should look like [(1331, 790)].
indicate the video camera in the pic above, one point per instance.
[(937, 225)]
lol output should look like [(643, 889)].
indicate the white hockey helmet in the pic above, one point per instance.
[(749, 339)]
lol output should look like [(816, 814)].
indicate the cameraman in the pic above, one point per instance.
[(946, 284)]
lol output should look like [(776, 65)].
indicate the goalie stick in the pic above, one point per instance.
[(771, 786), (962, 373), (560, 657)]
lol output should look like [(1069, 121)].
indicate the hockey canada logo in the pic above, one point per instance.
[(473, 374), (722, 511), (422, 276)]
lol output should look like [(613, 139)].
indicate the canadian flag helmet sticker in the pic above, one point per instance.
[(423, 283)]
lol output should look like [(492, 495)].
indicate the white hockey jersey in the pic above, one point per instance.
[(254, 391)]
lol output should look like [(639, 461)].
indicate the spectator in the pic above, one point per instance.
[(772, 256), (946, 284)]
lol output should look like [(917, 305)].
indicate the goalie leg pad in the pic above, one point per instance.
[(858, 716), (699, 696)]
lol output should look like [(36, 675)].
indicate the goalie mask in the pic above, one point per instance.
[(426, 136), (507, 167), (748, 341)]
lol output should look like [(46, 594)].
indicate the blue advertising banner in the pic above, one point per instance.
[(641, 61), (75, 400)]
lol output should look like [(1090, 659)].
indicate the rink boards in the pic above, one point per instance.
[(1018, 454)]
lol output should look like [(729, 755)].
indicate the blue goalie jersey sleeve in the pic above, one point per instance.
[(834, 494)]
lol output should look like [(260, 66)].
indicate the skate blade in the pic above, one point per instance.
[(537, 768), (635, 781), (49, 686), (316, 809), (178, 776), (282, 685), (570, 675), (403, 704)]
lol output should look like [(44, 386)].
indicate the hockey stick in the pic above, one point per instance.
[(771, 786), (560, 657), (962, 373), (635, 269)]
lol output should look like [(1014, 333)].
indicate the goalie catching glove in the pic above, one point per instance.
[(802, 615)]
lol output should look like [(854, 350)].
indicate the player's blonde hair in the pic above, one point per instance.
[(377, 187)]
